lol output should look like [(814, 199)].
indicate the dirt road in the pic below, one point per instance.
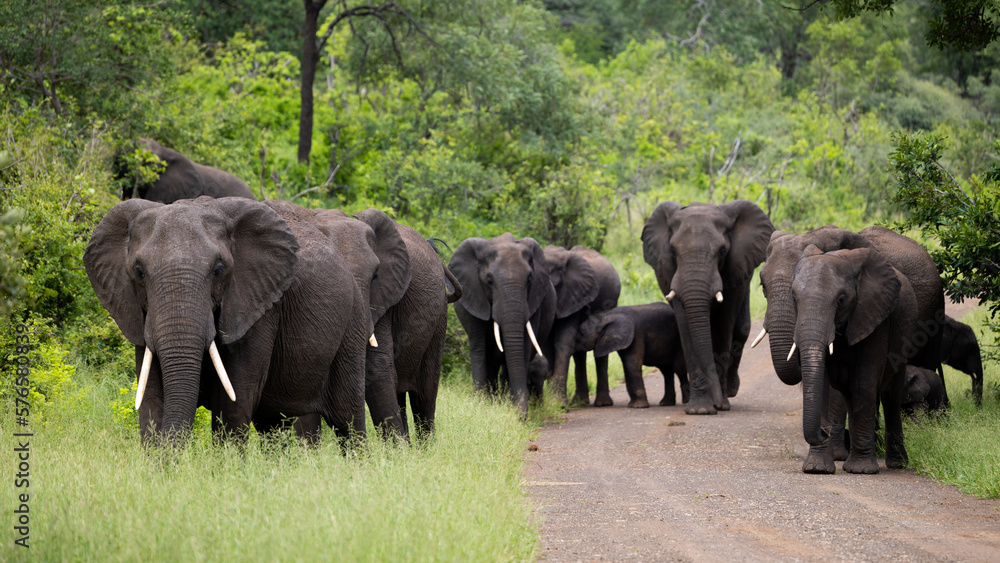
[(659, 485)]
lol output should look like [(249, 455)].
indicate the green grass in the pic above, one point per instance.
[(963, 448), (96, 495)]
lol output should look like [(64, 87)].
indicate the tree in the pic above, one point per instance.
[(95, 52), (966, 25), (389, 15), (966, 221)]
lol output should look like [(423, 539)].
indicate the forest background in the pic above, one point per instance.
[(560, 120)]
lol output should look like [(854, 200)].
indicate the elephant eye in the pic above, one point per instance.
[(489, 280), (841, 300), (138, 273), (219, 269)]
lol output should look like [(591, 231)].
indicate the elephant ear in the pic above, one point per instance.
[(656, 243), (878, 293), (540, 281), (771, 242), (180, 180), (394, 270), (464, 265), (616, 333), (105, 261), (749, 238), (832, 237), (264, 251), (573, 278)]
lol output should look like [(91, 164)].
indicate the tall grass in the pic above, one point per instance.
[(97, 495), (963, 447)]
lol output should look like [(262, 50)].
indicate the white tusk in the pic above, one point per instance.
[(791, 353), (213, 351), (531, 335), (718, 297), (831, 348), (372, 341), (496, 334), (147, 361), (670, 296), (756, 341)]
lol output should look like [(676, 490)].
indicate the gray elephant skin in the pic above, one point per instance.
[(854, 316), (783, 254), (960, 350), (704, 257), (586, 283), (249, 283), (923, 392), (405, 285), (182, 178), (505, 290), (643, 335)]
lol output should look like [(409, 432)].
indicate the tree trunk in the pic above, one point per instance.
[(310, 58)]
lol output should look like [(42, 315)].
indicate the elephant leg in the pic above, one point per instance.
[(601, 369), (682, 379), (602, 395), (977, 389), (892, 396), (836, 419), (740, 335), (151, 409), (863, 409), (423, 401), (308, 428), (722, 339), (632, 366), (380, 383), (669, 393), (561, 352)]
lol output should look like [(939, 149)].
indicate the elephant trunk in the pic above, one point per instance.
[(815, 391), (512, 318), (693, 309), (780, 324), (179, 340)]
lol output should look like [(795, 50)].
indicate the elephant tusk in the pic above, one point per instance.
[(791, 353), (831, 348), (531, 335), (670, 296), (213, 351), (756, 341), (147, 361), (372, 341), (496, 334), (718, 296)]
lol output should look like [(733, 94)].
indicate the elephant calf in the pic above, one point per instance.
[(924, 391), (642, 335), (180, 179), (960, 350)]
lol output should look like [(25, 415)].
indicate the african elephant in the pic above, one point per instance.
[(182, 178), (643, 335), (854, 316), (922, 391), (586, 283), (960, 350), (507, 307), (259, 292), (704, 256), (409, 300)]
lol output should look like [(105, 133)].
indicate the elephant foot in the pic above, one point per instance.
[(638, 404), (603, 400), (863, 465), (819, 461), (733, 385), (724, 406), (700, 405), (840, 453), (668, 401), (580, 400), (896, 461)]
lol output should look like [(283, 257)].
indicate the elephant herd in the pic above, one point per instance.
[(262, 311)]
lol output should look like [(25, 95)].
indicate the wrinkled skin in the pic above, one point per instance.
[(237, 272), (182, 178), (783, 254), (505, 281), (923, 392), (855, 300), (643, 335), (960, 350), (586, 283), (697, 252)]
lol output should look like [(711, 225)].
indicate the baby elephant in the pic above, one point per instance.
[(960, 350), (642, 335), (924, 391)]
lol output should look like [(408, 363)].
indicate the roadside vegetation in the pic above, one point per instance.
[(564, 123)]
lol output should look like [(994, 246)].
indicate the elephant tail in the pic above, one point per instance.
[(453, 285)]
